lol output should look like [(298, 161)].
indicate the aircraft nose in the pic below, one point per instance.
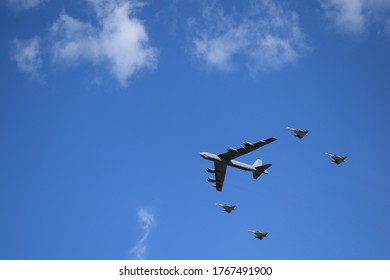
[(203, 154)]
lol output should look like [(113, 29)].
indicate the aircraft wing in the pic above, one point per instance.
[(248, 147), (220, 171)]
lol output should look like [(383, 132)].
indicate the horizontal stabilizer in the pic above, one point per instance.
[(260, 170)]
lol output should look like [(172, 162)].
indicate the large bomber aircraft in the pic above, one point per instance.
[(298, 133), (337, 159), (221, 162), (259, 235)]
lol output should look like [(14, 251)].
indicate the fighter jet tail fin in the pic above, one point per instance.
[(260, 168)]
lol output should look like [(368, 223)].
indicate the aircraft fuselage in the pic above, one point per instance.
[(232, 163)]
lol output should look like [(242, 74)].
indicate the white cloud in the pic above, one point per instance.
[(119, 40), (74, 40), (218, 51), (27, 55), (147, 220), (346, 15), (19, 5), (266, 36), (354, 16)]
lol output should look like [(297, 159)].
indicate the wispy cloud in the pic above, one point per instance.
[(27, 55), (265, 35), (346, 15), (354, 16), (19, 5), (147, 220)]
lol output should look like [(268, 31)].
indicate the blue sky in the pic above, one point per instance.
[(105, 106)]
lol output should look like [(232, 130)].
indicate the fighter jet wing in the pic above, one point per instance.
[(248, 147), (261, 235), (220, 171)]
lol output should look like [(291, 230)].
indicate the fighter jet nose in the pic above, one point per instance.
[(203, 155)]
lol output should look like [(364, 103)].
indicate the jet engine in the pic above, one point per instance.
[(211, 180), (232, 150), (210, 170), (248, 144)]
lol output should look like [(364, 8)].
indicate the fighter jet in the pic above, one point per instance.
[(259, 235), (337, 159), (226, 208), (299, 133), (221, 162)]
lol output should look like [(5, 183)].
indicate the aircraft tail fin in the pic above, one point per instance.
[(257, 163), (260, 168)]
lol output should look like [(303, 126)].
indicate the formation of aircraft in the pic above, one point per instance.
[(221, 161), (337, 159), (258, 234), (298, 133), (227, 208), (302, 133)]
